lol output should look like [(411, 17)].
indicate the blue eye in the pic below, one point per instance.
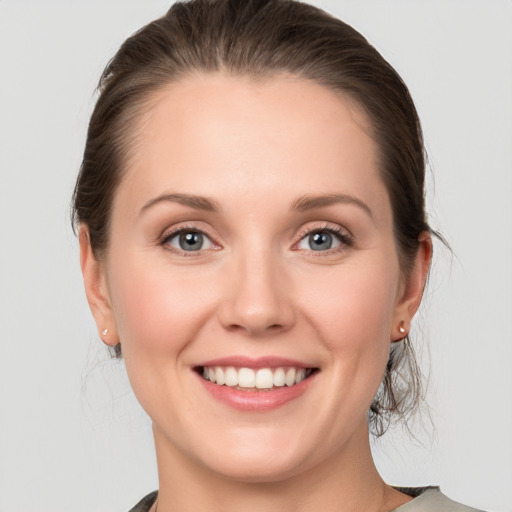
[(189, 241), (321, 240)]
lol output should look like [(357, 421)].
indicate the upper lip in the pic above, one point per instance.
[(258, 362)]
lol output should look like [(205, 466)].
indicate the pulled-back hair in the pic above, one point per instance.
[(264, 38)]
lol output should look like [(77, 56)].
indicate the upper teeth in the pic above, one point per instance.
[(262, 378)]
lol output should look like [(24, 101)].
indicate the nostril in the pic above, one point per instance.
[(235, 327), (254, 314), (254, 328)]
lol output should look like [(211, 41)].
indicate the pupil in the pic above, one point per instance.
[(191, 241), (320, 241)]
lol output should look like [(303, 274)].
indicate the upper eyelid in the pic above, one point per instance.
[(325, 226), (343, 235), (336, 229), (169, 234), (174, 230)]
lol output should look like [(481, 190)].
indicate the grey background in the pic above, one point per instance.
[(72, 438)]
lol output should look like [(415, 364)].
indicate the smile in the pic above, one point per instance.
[(256, 384), (248, 379)]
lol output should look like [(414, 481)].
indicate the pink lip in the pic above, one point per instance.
[(259, 362), (255, 400)]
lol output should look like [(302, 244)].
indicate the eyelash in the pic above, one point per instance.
[(345, 239), (168, 236)]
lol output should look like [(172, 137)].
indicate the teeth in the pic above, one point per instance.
[(263, 378), (279, 377), (289, 380), (219, 376), (300, 375), (246, 378), (231, 377)]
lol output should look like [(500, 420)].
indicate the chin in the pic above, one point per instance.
[(262, 463), (260, 471)]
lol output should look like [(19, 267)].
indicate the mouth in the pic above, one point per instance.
[(255, 379)]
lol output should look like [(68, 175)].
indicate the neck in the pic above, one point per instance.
[(346, 482)]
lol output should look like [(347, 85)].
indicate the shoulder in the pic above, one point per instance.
[(145, 503), (431, 499), (426, 499)]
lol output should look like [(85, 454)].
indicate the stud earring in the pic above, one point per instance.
[(402, 327), (104, 332)]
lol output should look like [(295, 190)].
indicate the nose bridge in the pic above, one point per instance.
[(257, 301)]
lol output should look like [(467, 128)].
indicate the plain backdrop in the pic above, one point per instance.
[(72, 437)]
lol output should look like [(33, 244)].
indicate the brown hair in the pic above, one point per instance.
[(262, 38)]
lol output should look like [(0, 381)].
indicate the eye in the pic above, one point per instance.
[(322, 240), (188, 240)]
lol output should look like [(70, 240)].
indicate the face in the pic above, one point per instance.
[(252, 275)]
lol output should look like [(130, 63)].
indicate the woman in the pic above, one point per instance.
[(254, 244)]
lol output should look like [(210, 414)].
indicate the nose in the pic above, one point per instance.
[(258, 298)]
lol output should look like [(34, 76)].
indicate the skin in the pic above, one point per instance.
[(258, 289)]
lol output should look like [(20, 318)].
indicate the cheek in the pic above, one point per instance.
[(157, 309), (354, 304), (158, 313), (352, 311)]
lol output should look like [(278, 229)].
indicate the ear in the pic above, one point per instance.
[(96, 290), (412, 290)]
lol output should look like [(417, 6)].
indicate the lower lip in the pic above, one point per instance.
[(263, 400)]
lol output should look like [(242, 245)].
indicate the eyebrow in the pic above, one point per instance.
[(193, 201), (309, 202), (302, 204)]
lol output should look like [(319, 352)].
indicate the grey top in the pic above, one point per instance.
[(430, 499), (426, 499)]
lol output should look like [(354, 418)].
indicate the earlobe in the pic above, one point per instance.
[(96, 290), (412, 294)]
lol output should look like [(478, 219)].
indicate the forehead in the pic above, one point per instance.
[(220, 135)]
